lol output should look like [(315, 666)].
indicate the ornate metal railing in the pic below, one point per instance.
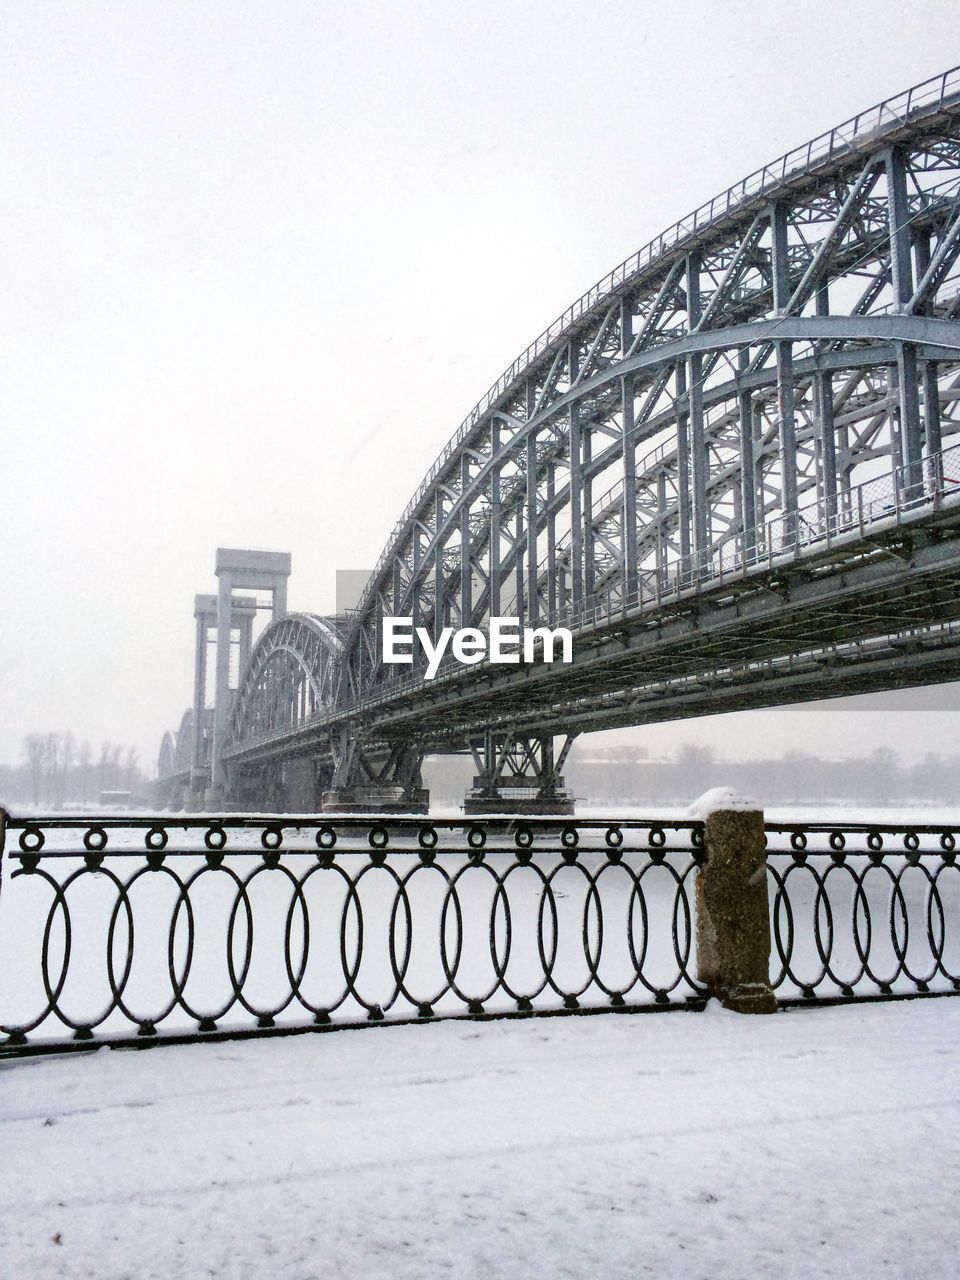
[(859, 909), (143, 929), (128, 930)]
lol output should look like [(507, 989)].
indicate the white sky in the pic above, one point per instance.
[(260, 259)]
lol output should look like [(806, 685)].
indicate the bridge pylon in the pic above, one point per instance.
[(265, 571), (243, 610), (519, 774)]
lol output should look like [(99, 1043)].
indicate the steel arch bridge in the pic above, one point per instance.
[(729, 468), (173, 762)]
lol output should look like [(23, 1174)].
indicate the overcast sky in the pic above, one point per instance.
[(258, 261)]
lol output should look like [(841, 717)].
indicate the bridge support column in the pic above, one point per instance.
[(518, 774), (683, 463), (378, 780), (629, 509), (748, 482), (733, 921), (586, 507), (909, 409), (532, 551), (930, 432), (931, 409), (259, 571), (576, 508), (828, 443), (205, 613)]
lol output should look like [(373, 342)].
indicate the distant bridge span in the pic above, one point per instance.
[(730, 469)]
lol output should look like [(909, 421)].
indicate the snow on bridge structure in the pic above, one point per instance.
[(729, 469)]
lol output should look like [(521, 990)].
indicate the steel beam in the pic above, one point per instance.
[(629, 512), (898, 218)]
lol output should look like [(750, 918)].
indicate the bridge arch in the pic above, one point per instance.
[(732, 382), (732, 469), (183, 743), (167, 756), (291, 677), (176, 747)]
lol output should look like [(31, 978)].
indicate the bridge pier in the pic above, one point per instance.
[(378, 780), (518, 774), (170, 793), (298, 786), (287, 786), (195, 793)]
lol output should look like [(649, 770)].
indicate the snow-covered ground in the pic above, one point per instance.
[(821, 1142)]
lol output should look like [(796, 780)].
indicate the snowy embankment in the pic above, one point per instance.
[(821, 1142)]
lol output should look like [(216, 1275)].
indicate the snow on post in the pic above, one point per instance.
[(733, 914), (722, 799)]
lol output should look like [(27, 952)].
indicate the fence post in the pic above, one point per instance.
[(733, 920)]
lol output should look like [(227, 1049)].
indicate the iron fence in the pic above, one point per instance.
[(860, 909), (135, 930), (143, 928)]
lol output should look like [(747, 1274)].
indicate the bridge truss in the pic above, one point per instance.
[(729, 468)]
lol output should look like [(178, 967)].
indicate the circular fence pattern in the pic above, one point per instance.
[(861, 909), (338, 922), (122, 928)]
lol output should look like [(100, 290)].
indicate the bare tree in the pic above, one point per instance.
[(68, 754), (103, 766), (131, 763), (116, 777), (84, 761), (35, 749)]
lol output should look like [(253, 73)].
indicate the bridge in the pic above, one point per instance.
[(731, 469)]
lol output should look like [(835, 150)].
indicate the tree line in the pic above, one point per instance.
[(876, 777), (625, 775), (56, 770)]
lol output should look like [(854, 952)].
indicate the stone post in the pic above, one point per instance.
[(732, 909)]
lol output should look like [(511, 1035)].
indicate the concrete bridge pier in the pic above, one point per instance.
[(518, 773), (301, 784), (171, 793)]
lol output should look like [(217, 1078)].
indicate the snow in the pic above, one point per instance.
[(721, 799), (819, 1142)]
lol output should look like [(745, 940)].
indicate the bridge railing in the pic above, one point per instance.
[(882, 501), (928, 97), (138, 930)]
